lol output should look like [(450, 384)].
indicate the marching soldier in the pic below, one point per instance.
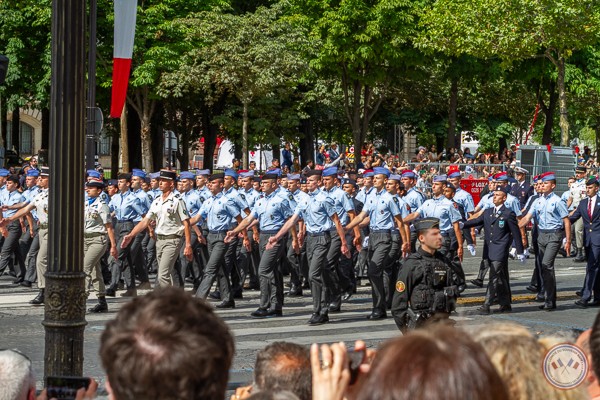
[(271, 211), (465, 201), (31, 244), (578, 193), (501, 228), (319, 218), (11, 202), (588, 211), (139, 262), (172, 223), (384, 213), (97, 233), (294, 258), (192, 201), (424, 290), (40, 204), (413, 199), (552, 217)]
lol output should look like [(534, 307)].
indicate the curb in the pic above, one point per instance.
[(521, 298)]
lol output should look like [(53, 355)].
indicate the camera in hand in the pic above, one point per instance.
[(65, 387), (355, 358)]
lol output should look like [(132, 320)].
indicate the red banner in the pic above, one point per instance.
[(474, 186)]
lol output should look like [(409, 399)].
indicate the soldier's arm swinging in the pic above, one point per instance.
[(187, 251), (356, 220), (143, 224), (459, 238), (284, 229), (340, 231), (111, 238)]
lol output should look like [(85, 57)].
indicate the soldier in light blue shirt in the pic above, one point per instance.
[(553, 225), (272, 212), (11, 202), (220, 214), (413, 198), (248, 260), (319, 218), (204, 194), (293, 258), (192, 202), (29, 241), (384, 214)]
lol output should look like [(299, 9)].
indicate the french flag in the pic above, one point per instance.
[(125, 15)]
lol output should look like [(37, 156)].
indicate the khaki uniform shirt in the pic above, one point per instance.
[(97, 215), (169, 214), (578, 192), (40, 201)]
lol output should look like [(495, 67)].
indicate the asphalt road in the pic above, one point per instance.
[(22, 329)]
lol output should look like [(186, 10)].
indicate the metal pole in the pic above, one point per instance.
[(90, 141), (64, 318)]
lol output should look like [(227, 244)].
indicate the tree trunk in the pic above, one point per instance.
[(452, 137), (114, 155), (597, 129), (3, 124), (124, 143), (562, 101), (548, 112), (146, 141), (307, 141), (45, 128), (15, 125), (245, 136)]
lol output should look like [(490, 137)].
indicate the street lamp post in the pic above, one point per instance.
[(64, 318)]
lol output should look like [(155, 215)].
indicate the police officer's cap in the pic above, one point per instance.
[(187, 175), (426, 223), (593, 181), (168, 174), (44, 171), (519, 170), (95, 182), (124, 176), (368, 173), (276, 171), (269, 175), (503, 189), (303, 181), (401, 186), (293, 177), (581, 169), (313, 172), (348, 181), (283, 176), (408, 173), (501, 176), (548, 176), (216, 176)]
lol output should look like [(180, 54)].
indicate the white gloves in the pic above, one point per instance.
[(522, 258), (471, 249)]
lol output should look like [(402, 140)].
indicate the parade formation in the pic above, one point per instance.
[(326, 229)]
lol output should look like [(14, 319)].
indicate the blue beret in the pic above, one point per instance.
[(4, 172), (440, 178), (381, 171), (395, 177), (548, 176), (331, 171), (187, 175), (204, 172), (154, 175), (247, 174), (231, 173), (276, 171), (92, 173), (33, 172), (138, 172), (409, 174), (293, 177), (501, 176), (455, 174), (368, 173)]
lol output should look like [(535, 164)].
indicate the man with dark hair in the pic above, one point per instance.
[(283, 366), (11, 201), (166, 345)]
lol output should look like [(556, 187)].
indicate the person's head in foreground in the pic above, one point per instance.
[(16, 376), (166, 345)]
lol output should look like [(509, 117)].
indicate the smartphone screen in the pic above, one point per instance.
[(65, 387)]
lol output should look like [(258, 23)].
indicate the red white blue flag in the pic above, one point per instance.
[(125, 15)]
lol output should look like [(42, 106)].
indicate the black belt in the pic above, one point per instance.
[(122, 221), (43, 226), (560, 230), (326, 233), (445, 233), (167, 237), (218, 232), (273, 232), (93, 235), (381, 231)]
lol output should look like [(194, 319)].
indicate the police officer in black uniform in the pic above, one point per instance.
[(423, 288)]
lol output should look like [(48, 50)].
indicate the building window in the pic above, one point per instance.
[(26, 134)]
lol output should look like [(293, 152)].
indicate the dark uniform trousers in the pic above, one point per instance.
[(215, 267), (346, 266), (34, 247), (317, 247), (269, 273), (536, 277), (498, 288), (591, 285), (10, 246), (380, 246), (391, 269), (189, 267), (244, 260), (293, 260), (550, 242), (150, 251), (125, 257), (138, 260), (333, 288)]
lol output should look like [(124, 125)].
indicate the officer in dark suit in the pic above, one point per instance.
[(589, 211), (500, 227), (423, 289), (522, 190)]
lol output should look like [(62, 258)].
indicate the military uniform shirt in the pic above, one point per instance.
[(403, 209), (192, 202), (578, 192), (219, 212), (364, 194), (29, 194), (414, 199), (549, 211), (317, 212), (382, 208), (272, 212), (342, 203), (287, 195), (10, 199), (40, 201), (97, 215), (443, 209), (145, 203), (512, 203), (239, 201), (250, 195), (465, 199), (169, 214), (126, 206)]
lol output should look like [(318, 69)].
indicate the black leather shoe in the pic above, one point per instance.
[(260, 313), (348, 294), (548, 307), (579, 293), (335, 307), (274, 313), (295, 291), (562, 252), (318, 319), (39, 299), (17, 281), (484, 310), (540, 298), (376, 316), (594, 303), (111, 292), (215, 295), (226, 304), (25, 284), (238, 294), (532, 289), (580, 256), (503, 309), (477, 282), (582, 303), (99, 308)]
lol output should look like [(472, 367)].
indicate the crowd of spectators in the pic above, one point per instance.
[(170, 345)]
